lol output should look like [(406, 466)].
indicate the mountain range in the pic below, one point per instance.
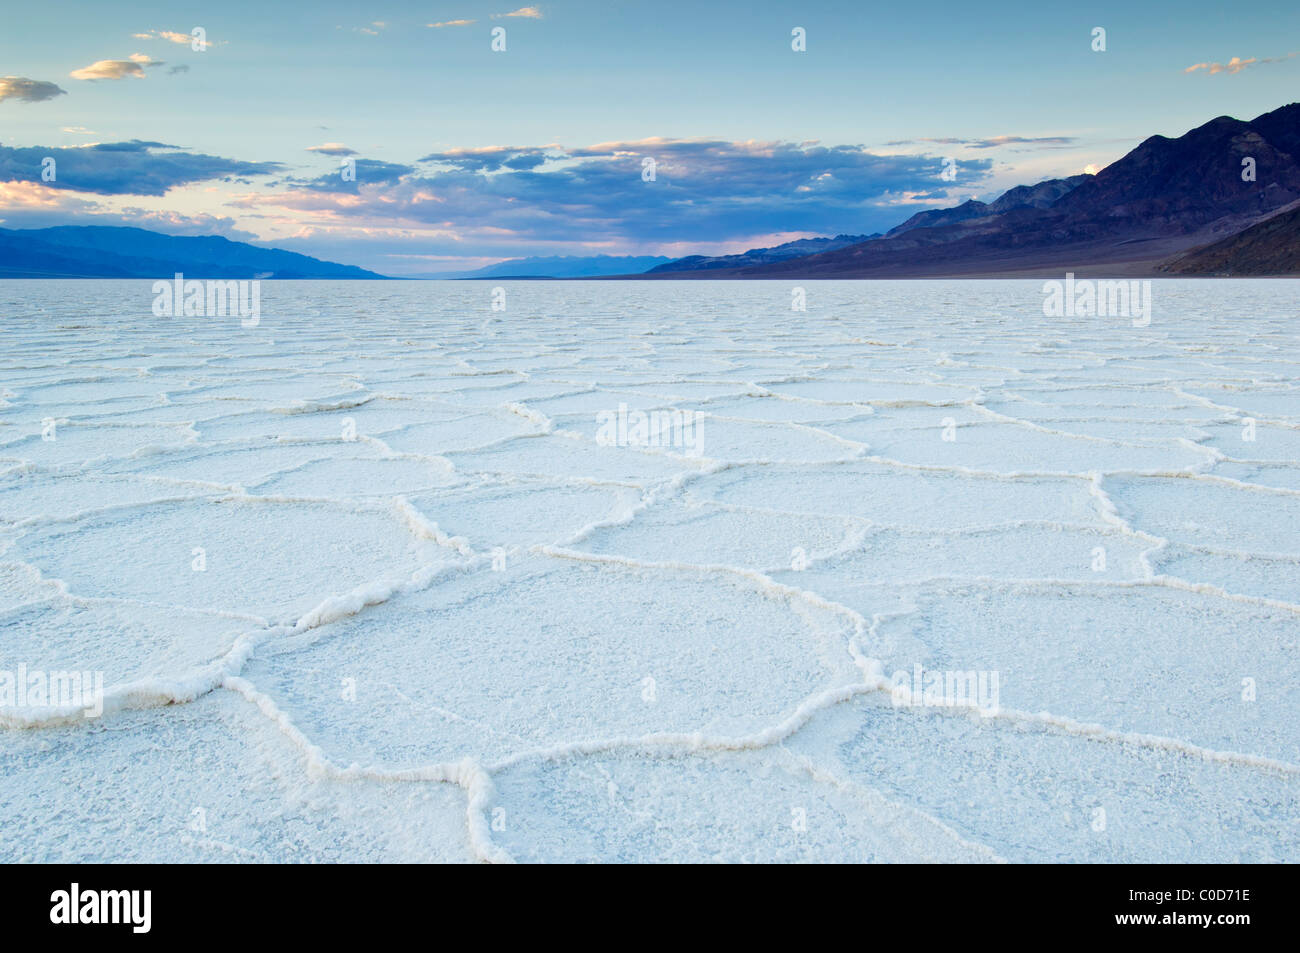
[(1198, 204), (799, 248), (1222, 199), (104, 251)]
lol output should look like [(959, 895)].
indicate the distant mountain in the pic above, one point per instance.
[(100, 251), (934, 217), (1163, 198), (761, 256), (1041, 195), (1271, 247), (564, 267)]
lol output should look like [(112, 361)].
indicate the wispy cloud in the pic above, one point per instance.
[(332, 149), (26, 90), (446, 23), (531, 13), (993, 142), (171, 36), (1237, 64), (116, 69)]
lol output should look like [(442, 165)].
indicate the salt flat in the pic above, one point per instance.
[(372, 580)]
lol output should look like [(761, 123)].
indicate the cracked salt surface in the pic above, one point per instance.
[(434, 618)]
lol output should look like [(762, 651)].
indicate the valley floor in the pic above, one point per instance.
[(917, 574)]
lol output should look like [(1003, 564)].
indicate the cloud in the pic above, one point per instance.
[(445, 23), (177, 223), (993, 142), (124, 168), (1234, 65), (997, 141), (368, 172), (332, 149), (185, 39), (182, 39), (493, 158), (178, 68), (116, 69), (109, 69), (532, 13), (37, 205), (494, 197), (26, 90), (20, 197), (1237, 64)]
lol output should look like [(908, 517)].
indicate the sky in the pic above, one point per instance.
[(619, 127)]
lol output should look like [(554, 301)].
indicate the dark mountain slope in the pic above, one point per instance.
[(1271, 247), (760, 256)]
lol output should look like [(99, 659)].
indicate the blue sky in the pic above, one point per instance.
[(466, 156)]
